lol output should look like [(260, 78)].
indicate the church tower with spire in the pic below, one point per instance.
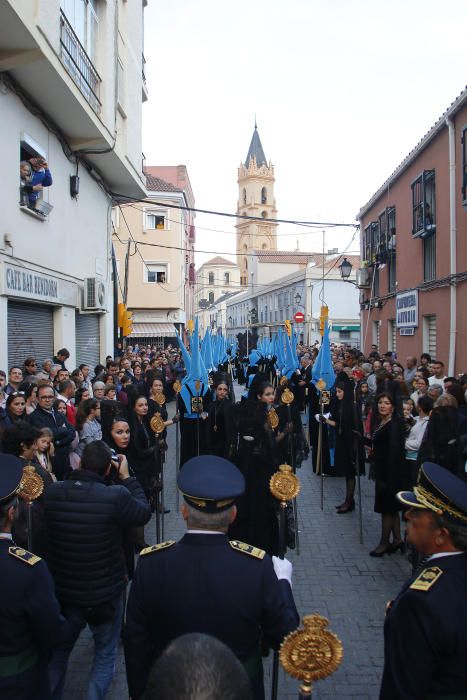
[(255, 199)]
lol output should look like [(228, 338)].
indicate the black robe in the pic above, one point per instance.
[(219, 430), (257, 459)]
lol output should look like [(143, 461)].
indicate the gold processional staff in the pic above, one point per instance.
[(311, 653)]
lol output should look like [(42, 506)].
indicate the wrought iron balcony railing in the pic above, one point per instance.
[(78, 64)]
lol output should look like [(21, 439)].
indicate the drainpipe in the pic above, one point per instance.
[(452, 246)]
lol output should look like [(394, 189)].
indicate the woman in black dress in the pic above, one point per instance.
[(142, 450), (219, 432), (345, 422), (389, 462)]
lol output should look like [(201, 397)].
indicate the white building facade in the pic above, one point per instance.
[(71, 93), (214, 279), (265, 307)]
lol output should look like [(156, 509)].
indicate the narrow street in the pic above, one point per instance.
[(333, 575)]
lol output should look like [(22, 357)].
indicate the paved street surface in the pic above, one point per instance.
[(333, 576)]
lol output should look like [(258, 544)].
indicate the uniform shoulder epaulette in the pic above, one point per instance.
[(247, 549), (157, 547), (426, 579), (24, 555)]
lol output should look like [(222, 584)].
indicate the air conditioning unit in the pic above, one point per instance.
[(363, 276), (93, 294)]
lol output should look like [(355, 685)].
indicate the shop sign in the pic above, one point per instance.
[(31, 284), (407, 309)]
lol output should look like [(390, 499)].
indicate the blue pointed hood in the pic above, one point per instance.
[(196, 374), (184, 351), (291, 360), (322, 368), (206, 351)]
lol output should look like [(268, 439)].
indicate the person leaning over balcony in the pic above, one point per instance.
[(41, 177)]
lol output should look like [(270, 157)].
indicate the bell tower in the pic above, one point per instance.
[(255, 199)]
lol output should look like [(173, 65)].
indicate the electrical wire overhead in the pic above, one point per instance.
[(320, 224)]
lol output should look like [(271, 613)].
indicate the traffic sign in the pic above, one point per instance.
[(299, 317)]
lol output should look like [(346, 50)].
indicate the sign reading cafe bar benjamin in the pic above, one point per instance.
[(33, 284), (407, 309)]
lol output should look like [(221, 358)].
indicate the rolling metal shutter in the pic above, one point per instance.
[(88, 349), (30, 332)]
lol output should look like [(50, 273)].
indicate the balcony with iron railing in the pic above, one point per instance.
[(79, 65)]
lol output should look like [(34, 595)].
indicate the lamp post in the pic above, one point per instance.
[(345, 269), (297, 299)]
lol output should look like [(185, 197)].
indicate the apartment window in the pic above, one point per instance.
[(382, 222), (423, 204), (156, 220), (367, 243), (429, 258), (156, 273), (211, 297), (211, 278), (371, 241), (392, 336), (79, 23), (464, 163), (391, 247), (429, 335), (227, 278), (376, 333), (391, 264), (376, 290)]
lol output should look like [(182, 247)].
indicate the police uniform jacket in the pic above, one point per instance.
[(30, 620), (425, 634), (202, 584)]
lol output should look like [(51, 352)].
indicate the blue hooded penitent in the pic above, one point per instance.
[(291, 360), (322, 368), (197, 375)]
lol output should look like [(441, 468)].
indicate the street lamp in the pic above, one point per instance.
[(298, 299), (345, 268)]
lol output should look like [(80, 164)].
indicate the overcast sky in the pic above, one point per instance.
[(342, 91)]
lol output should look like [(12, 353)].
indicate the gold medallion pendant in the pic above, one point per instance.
[(287, 397), (273, 418), (177, 387), (159, 398), (157, 423), (284, 485)]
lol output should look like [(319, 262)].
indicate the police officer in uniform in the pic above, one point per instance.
[(206, 583), (425, 631), (30, 620)]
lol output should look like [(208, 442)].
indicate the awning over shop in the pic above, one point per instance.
[(153, 330), (339, 327)]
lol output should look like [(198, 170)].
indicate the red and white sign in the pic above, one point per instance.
[(299, 317)]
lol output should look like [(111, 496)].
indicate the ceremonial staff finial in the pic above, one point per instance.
[(311, 653)]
